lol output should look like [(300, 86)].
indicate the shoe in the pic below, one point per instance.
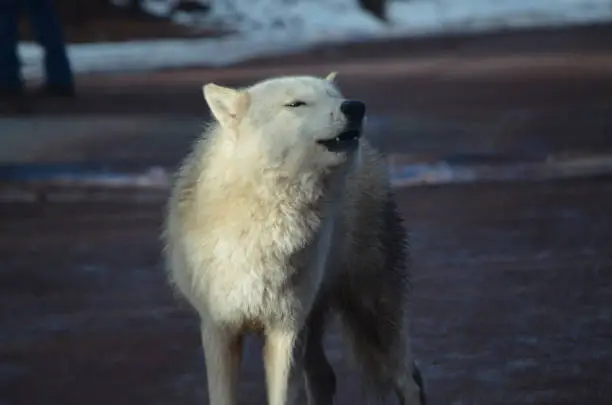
[(56, 91)]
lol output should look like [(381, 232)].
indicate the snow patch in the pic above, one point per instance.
[(272, 27)]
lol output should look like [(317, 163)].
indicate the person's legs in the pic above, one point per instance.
[(11, 83), (48, 29)]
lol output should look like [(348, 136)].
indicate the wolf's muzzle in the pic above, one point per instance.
[(354, 111)]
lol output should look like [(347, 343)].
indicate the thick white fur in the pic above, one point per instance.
[(257, 209)]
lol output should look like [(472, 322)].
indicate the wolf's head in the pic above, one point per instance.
[(298, 125)]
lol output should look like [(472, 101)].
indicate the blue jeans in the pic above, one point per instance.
[(49, 35)]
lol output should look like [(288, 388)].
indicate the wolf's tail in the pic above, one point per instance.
[(385, 358)]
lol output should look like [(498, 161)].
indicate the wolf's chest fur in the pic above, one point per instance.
[(262, 260)]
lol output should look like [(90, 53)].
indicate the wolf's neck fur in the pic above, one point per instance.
[(259, 208), (224, 176)]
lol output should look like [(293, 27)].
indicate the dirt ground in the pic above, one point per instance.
[(512, 96), (512, 294)]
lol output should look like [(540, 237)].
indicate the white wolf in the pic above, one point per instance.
[(282, 214)]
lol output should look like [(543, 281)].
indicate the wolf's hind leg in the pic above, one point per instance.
[(320, 376), (410, 390), (381, 345)]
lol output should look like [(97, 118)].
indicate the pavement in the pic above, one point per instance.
[(513, 274)]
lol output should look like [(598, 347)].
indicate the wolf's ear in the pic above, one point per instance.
[(227, 105), (332, 77)]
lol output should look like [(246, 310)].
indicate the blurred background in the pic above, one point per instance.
[(495, 116)]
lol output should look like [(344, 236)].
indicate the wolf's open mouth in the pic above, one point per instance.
[(345, 140)]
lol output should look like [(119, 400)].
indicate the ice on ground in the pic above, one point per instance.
[(272, 27)]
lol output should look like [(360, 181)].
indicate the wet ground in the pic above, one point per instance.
[(513, 280)]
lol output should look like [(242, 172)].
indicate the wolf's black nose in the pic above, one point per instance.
[(354, 110)]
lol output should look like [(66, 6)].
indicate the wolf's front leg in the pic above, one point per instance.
[(223, 353), (283, 358)]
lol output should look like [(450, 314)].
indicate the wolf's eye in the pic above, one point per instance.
[(296, 103)]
